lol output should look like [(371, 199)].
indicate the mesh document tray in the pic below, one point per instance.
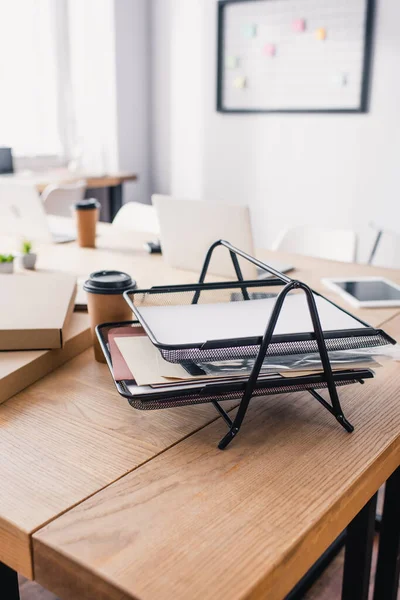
[(236, 348), (272, 342), (158, 399)]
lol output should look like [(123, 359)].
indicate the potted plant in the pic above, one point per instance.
[(28, 257), (7, 263)]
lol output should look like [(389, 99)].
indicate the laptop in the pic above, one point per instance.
[(22, 214), (189, 227)]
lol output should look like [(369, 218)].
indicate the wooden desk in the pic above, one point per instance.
[(70, 434), (143, 505), (244, 523), (59, 176)]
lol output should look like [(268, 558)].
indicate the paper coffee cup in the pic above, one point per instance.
[(87, 215), (106, 303)]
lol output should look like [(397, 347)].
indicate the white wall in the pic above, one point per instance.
[(87, 72), (107, 44), (337, 170), (187, 82), (160, 95), (132, 43), (177, 96)]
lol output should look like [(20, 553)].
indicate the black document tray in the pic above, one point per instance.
[(157, 398), (255, 385), (234, 348)]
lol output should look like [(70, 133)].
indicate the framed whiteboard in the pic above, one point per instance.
[(294, 56)]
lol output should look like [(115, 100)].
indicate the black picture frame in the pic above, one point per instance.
[(366, 70)]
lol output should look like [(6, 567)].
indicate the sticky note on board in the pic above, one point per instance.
[(240, 82), (299, 25), (269, 50), (232, 62), (250, 31), (320, 33)]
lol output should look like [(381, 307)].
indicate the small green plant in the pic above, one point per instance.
[(26, 247), (6, 258)]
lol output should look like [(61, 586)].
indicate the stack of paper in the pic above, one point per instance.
[(134, 357), (137, 359), (200, 344), (200, 323)]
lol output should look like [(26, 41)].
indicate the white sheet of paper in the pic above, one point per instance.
[(198, 323), (142, 359), (149, 368)]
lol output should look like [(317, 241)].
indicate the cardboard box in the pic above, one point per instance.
[(20, 369), (35, 309)]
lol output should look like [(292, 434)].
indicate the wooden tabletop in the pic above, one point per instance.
[(150, 508), (247, 522), (62, 175)]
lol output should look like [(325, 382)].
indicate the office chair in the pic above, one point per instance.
[(135, 216), (58, 199), (386, 249), (332, 244)]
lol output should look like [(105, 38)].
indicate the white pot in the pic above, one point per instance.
[(7, 267), (29, 260)]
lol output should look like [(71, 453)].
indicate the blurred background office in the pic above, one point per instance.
[(107, 86)]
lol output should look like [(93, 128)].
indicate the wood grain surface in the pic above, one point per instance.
[(69, 435), (248, 522), (60, 176)]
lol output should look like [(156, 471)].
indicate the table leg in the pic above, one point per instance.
[(9, 589), (114, 200), (388, 567), (358, 553), (313, 574)]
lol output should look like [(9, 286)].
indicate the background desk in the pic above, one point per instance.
[(126, 504), (112, 182)]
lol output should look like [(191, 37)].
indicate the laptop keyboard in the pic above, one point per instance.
[(61, 238)]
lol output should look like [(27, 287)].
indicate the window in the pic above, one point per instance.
[(29, 103)]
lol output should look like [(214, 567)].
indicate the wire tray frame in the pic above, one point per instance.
[(259, 347), (241, 348), (267, 387), (193, 399)]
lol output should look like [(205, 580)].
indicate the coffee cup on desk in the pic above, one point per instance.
[(86, 216), (106, 303)]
